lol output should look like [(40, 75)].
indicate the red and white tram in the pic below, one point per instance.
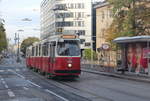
[(56, 56)]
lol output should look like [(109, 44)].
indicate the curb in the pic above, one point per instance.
[(121, 76)]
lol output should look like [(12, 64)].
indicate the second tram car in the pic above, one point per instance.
[(56, 56)]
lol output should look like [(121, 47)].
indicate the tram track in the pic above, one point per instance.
[(64, 83), (59, 83), (48, 84)]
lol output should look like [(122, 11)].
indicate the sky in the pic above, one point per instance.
[(14, 11)]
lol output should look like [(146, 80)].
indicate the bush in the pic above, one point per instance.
[(87, 54)]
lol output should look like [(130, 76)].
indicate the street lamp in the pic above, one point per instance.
[(17, 38)]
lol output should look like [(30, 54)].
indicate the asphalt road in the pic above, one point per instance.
[(17, 83)]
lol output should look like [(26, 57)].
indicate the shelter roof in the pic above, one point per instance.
[(132, 39)]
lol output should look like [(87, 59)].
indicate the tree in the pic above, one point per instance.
[(87, 54), (131, 18), (3, 39), (27, 42)]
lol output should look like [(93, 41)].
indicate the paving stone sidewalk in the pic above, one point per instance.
[(109, 71)]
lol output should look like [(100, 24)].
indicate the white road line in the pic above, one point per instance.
[(2, 79), (34, 84), (9, 70), (56, 95), (1, 70), (6, 86), (18, 74), (25, 88), (3, 82), (17, 70), (11, 94)]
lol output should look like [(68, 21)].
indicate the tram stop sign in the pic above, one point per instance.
[(105, 46)]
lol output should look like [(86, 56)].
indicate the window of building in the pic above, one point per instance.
[(79, 5), (72, 6), (83, 5), (79, 15), (64, 15), (82, 41), (79, 23), (81, 32), (64, 24)]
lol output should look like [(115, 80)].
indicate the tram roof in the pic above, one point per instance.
[(132, 39)]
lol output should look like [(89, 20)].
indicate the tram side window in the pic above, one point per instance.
[(45, 50), (40, 50), (36, 50), (50, 50), (53, 49), (32, 51), (27, 52)]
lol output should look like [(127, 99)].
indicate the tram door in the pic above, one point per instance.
[(52, 55)]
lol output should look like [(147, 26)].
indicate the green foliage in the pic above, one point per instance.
[(27, 42), (87, 54), (3, 39), (131, 18)]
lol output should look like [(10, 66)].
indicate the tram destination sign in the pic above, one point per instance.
[(68, 36)]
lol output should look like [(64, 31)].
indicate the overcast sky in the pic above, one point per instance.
[(13, 11)]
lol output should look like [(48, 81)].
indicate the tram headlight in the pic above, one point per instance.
[(69, 65)]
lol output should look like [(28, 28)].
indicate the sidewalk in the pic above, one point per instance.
[(108, 71)]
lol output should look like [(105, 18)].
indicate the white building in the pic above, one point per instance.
[(67, 17)]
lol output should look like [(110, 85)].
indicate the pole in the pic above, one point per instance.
[(148, 64), (18, 56), (15, 38), (92, 54), (91, 35)]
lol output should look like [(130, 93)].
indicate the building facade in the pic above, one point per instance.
[(67, 17), (104, 19)]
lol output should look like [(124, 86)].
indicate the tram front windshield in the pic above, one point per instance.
[(68, 48)]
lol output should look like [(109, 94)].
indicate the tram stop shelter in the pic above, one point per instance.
[(133, 54)]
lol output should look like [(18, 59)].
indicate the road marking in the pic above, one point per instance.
[(11, 94), (6, 86), (18, 74), (25, 88), (2, 79), (3, 82), (34, 83), (1, 70), (56, 95), (17, 70), (9, 70)]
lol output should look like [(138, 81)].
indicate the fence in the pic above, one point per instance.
[(106, 61)]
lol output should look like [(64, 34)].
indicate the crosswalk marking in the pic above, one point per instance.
[(17, 70), (11, 94)]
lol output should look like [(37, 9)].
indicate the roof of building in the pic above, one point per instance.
[(132, 39), (100, 4)]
